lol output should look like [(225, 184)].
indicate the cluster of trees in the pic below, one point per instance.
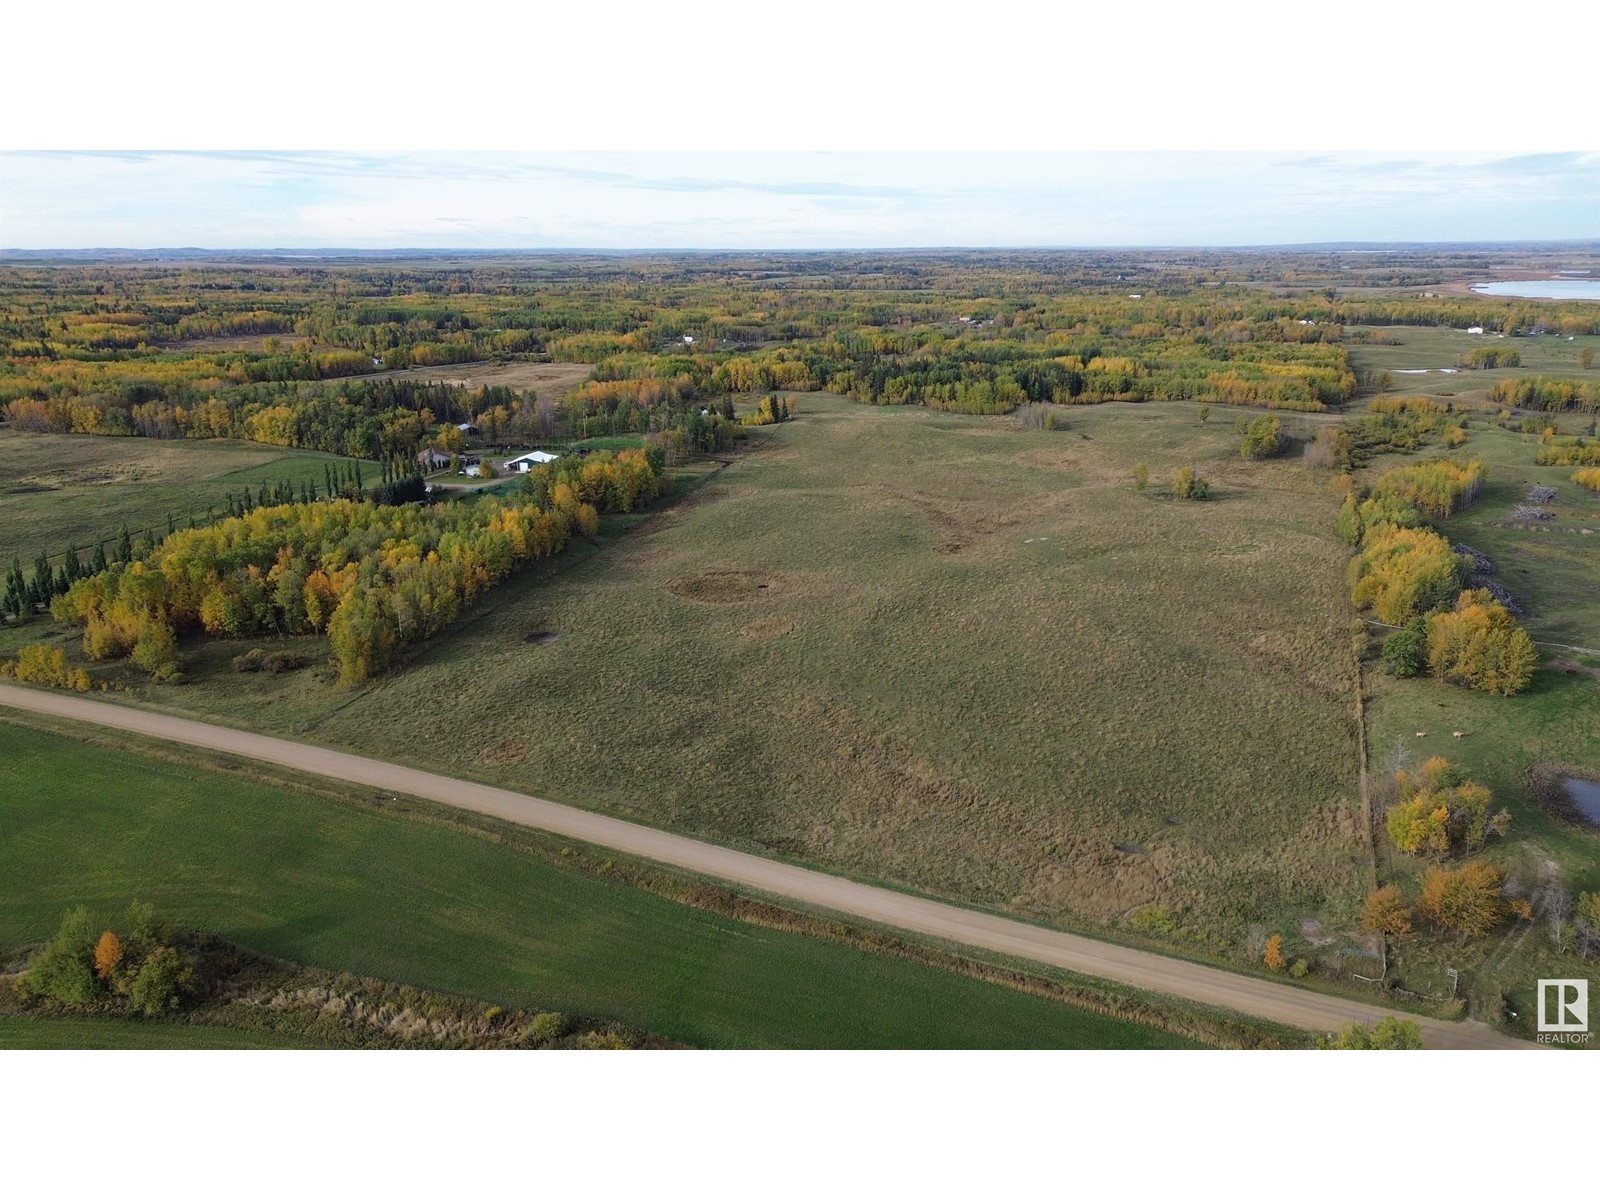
[(1401, 573), (373, 578), (1568, 452), (1588, 477), (1550, 395), (605, 481), (1479, 645), (770, 411), (1442, 811), (1464, 900), (46, 665), (1261, 438), (144, 969), (1487, 358), (1435, 488)]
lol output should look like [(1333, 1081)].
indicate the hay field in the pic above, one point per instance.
[(933, 650)]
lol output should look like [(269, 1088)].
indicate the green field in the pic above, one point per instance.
[(1553, 570), (329, 884), (1435, 349), (58, 490), (930, 649), (69, 1033)]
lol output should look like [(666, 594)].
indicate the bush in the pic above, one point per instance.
[(164, 981), (548, 1026), (1187, 484), (1391, 1033), (64, 967)]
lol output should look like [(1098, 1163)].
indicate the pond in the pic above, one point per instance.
[(1542, 289), (1585, 794)]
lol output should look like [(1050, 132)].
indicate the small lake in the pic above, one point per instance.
[(1542, 289), (1586, 795)]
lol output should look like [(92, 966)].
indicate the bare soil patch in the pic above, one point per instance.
[(721, 587)]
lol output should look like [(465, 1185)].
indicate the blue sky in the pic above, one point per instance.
[(788, 199)]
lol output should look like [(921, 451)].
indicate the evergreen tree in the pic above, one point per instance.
[(98, 563), (125, 546)]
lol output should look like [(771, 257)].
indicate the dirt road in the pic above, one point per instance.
[(1138, 968)]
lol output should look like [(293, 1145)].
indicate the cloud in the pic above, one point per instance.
[(725, 200)]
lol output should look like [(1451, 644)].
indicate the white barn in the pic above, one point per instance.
[(535, 458)]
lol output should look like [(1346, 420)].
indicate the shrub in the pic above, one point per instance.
[(1141, 476), (164, 980), (1187, 484), (1588, 477), (1273, 956), (548, 1026), (64, 967), (1391, 1033)]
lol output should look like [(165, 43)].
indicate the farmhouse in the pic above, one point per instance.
[(536, 458), (433, 459)]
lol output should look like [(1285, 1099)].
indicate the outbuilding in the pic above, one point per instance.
[(535, 458)]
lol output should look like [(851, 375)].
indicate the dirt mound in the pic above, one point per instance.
[(721, 587), (540, 637)]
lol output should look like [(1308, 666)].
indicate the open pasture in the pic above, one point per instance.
[(930, 649), (62, 489)]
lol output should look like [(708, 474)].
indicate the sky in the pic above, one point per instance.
[(785, 200)]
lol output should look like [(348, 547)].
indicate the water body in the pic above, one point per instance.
[(1542, 289), (1586, 795)]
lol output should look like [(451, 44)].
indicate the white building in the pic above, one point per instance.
[(536, 458)]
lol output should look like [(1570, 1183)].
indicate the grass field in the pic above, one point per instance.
[(66, 1033), (929, 649), (308, 878), (60, 489), (1433, 349), (1553, 570)]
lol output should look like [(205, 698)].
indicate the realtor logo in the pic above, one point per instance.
[(1564, 1008)]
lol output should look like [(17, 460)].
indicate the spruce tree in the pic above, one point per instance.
[(99, 563)]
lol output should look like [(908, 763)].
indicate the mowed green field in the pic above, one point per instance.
[(66, 1033), (929, 649), (58, 489), (309, 878)]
